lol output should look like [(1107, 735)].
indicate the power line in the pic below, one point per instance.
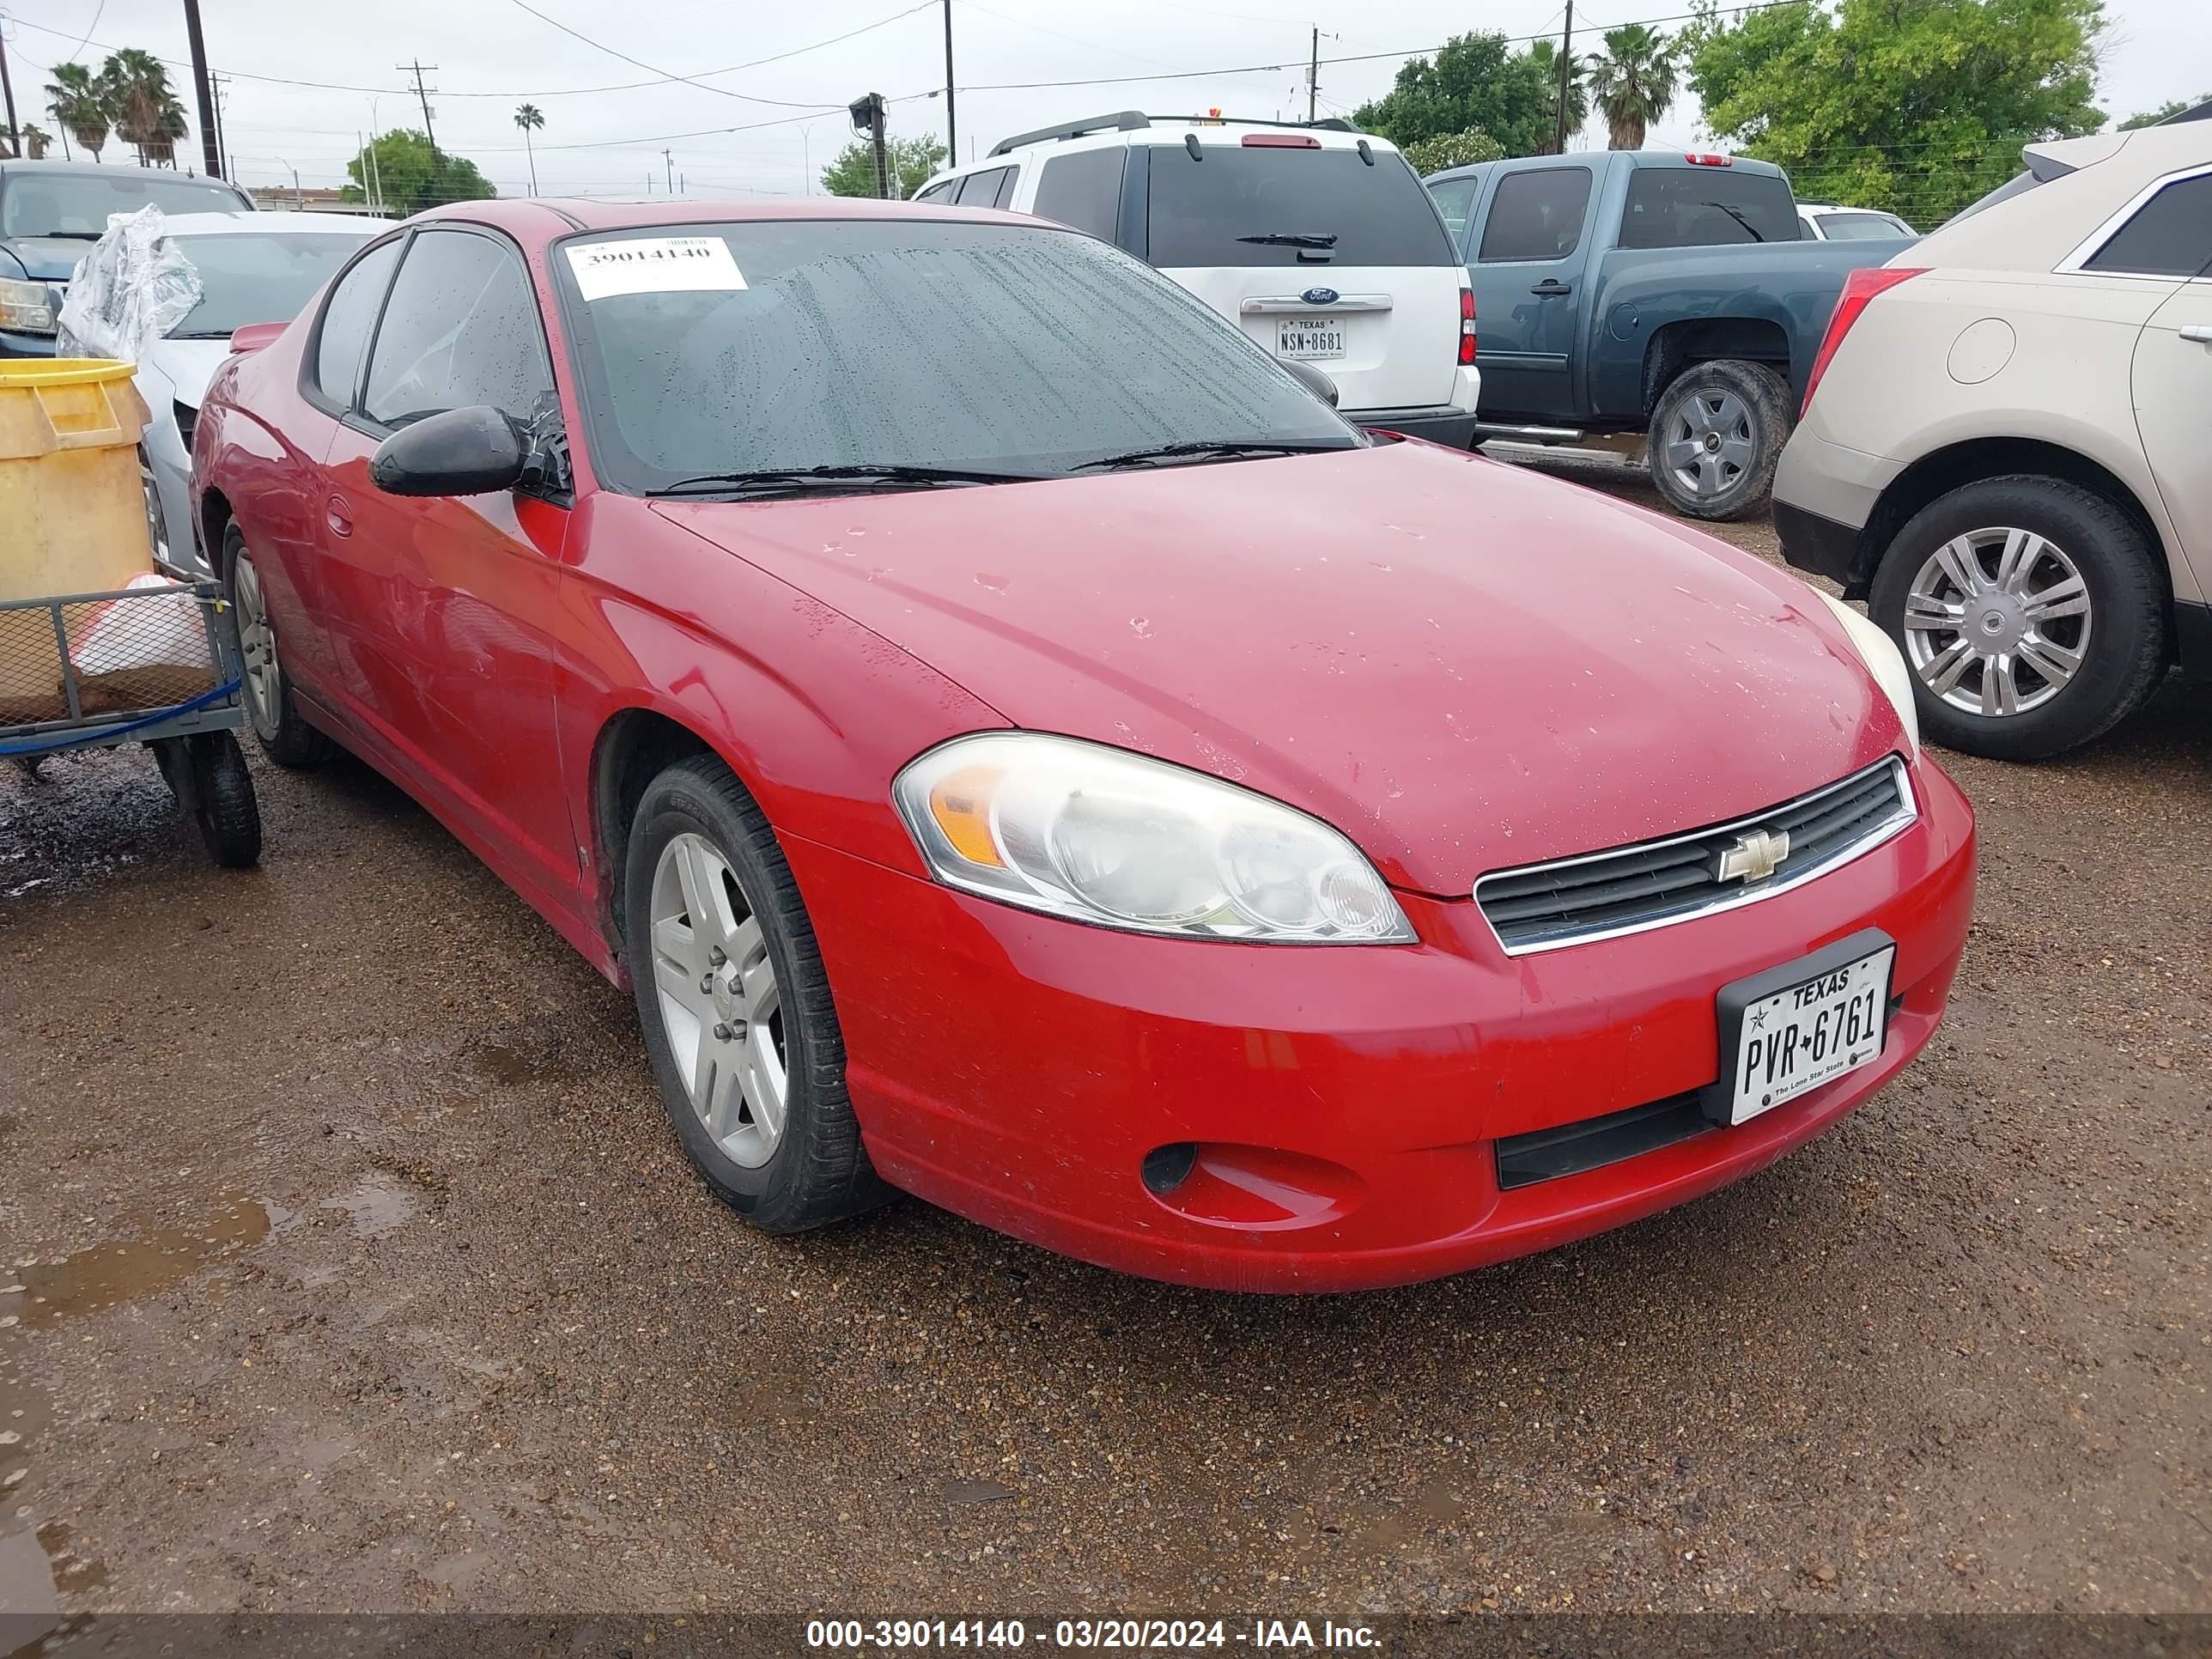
[(613, 52)]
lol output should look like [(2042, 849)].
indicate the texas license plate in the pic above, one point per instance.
[(1795, 1027), (1309, 337)]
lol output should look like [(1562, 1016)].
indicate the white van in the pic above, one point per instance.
[(1317, 242)]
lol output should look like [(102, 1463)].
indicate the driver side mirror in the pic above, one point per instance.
[(1314, 379), (458, 451)]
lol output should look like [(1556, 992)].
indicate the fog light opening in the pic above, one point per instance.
[(1166, 1168)]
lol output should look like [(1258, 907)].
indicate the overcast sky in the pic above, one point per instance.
[(493, 54)]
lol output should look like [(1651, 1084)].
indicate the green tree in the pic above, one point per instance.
[(1472, 82), (909, 161), (1452, 150), (410, 176), (134, 88), (1916, 106), (78, 102), (1633, 83), (530, 117), (2151, 117), (1546, 57)]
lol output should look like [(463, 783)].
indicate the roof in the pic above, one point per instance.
[(268, 220), (541, 218), (1638, 158), (96, 170)]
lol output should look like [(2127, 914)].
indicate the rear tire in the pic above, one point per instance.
[(2091, 550), (752, 1072), (1716, 432), (229, 815), (283, 732)]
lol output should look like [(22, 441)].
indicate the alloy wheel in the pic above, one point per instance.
[(720, 1001), (257, 646), (1996, 621), (1710, 443)]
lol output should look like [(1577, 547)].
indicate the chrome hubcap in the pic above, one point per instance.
[(720, 1002), (256, 647), (1996, 621), (1708, 444)]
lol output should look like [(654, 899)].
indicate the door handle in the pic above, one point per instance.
[(335, 515), (2198, 333), (1551, 288)]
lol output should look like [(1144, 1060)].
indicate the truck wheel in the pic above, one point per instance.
[(2029, 612), (735, 1006), (284, 737), (1715, 436)]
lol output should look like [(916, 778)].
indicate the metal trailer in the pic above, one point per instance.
[(186, 713)]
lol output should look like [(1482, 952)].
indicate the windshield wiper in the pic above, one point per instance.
[(1738, 217), (775, 480), (205, 334), (1285, 239), (62, 235), (1208, 449)]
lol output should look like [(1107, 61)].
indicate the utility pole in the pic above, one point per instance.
[(1567, 69), (221, 143), (211, 156), (423, 97), (668, 164), (1313, 75), (8, 93), (867, 115), (951, 126)]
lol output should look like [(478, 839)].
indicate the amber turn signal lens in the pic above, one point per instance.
[(961, 804)]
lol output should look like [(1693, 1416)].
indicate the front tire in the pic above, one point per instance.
[(2029, 612), (735, 1008), (1715, 436), (284, 735)]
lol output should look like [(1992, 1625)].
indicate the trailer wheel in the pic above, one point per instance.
[(224, 807)]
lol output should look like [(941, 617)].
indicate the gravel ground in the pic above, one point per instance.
[(348, 1264)]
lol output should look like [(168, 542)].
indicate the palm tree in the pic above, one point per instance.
[(79, 103), (36, 141), (1546, 55), (1633, 84), (143, 104), (529, 117)]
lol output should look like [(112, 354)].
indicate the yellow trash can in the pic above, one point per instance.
[(72, 507)]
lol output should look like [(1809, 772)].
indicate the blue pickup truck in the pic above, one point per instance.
[(1654, 302)]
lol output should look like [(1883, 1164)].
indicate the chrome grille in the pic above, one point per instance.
[(1601, 895)]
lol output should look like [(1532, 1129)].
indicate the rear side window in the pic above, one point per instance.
[(1083, 191), (941, 191), (2170, 235), (1267, 206), (1707, 207), (1453, 198), (348, 316), (1537, 215), (982, 189), (462, 328), (1861, 227)]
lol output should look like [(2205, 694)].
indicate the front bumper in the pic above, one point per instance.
[(14, 344), (1020, 1069), (1442, 424)]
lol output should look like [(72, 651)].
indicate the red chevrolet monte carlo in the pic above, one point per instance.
[(1023, 748)]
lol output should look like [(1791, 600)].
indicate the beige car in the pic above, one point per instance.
[(2006, 445)]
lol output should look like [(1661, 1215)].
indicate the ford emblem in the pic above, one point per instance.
[(1319, 296)]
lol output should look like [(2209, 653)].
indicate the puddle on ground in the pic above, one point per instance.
[(109, 1274), (9, 1125), (504, 1065), (375, 1208), (72, 1570)]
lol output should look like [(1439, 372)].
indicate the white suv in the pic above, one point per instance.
[(1318, 242), (2003, 447)]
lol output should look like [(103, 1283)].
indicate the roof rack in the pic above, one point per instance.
[(1129, 120)]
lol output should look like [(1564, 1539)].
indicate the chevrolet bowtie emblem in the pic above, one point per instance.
[(1756, 856)]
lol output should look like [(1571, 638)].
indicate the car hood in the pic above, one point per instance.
[(1461, 664), (46, 258), (187, 365)]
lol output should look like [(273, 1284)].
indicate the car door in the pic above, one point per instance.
[(1526, 265), (2171, 235), (457, 599)]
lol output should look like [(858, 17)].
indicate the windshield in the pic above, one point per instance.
[(1862, 227), (808, 343), (1277, 206), (1707, 207), (70, 205), (258, 277)]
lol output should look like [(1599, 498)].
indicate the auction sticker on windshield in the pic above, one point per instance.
[(654, 264)]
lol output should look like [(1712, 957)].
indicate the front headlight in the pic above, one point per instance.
[(27, 306), (1884, 661), (1099, 835)]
